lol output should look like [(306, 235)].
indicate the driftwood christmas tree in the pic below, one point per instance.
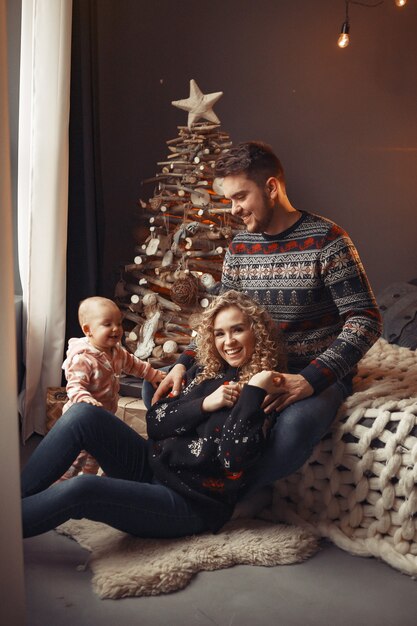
[(188, 226)]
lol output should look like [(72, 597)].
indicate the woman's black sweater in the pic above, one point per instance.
[(204, 456)]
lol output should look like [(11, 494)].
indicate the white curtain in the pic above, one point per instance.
[(43, 198)]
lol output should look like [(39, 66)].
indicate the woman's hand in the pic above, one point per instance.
[(172, 382), (224, 396), (268, 380)]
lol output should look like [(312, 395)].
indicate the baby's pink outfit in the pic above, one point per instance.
[(91, 372)]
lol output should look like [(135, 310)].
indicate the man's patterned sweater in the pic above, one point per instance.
[(311, 280)]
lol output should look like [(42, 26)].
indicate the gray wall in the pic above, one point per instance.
[(344, 122)]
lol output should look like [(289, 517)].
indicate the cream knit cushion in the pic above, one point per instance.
[(359, 487)]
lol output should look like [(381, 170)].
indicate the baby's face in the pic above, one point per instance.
[(104, 328)]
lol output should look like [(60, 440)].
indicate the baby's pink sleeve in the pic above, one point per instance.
[(134, 366)]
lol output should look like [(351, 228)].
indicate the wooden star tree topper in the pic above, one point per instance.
[(199, 105)]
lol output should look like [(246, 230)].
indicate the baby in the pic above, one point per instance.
[(94, 364)]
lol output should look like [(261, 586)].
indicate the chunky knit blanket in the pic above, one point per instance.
[(359, 487)]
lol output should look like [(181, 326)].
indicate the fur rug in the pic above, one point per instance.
[(125, 566)]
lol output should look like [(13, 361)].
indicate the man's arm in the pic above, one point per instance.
[(354, 305), (344, 277)]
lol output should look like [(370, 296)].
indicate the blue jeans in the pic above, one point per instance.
[(127, 498), (296, 431)]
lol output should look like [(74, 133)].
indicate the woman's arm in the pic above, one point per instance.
[(242, 439)]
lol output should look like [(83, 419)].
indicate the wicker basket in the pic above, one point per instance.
[(56, 397)]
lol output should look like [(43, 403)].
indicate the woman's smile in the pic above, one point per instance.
[(233, 351)]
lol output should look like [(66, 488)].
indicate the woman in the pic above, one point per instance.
[(187, 477)]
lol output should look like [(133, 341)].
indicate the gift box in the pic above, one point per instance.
[(133, 412)]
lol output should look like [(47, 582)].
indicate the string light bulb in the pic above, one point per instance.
[(343, 40), (400, 3)]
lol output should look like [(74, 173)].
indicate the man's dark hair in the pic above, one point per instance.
[(255, 159)]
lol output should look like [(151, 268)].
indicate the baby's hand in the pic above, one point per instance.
[(225, 395), (91, 401), (159, 377)]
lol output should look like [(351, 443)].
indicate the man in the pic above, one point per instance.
[(307, 273)]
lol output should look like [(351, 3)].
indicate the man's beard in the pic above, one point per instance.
[(261, 225)]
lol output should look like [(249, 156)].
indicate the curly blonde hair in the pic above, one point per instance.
[(268, 353)]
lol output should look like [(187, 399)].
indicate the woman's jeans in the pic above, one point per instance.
[(127, 498), (296, 431)]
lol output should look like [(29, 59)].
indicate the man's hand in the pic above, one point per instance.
[(225, 395), (172, 382), (293, 388)]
